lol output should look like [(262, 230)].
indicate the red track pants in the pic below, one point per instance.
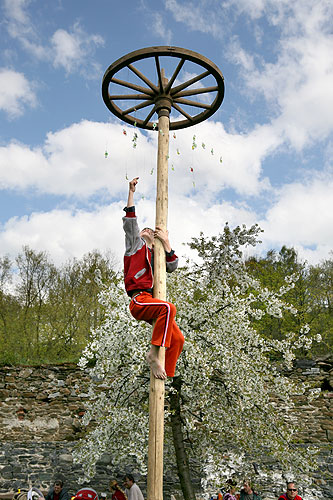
[(166, 332)]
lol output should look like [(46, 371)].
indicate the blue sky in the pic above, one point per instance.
[(273, 131)]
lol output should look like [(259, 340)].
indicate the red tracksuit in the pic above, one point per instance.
[(138, 275)]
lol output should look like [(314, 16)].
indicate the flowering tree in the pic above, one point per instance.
[(228, 401)]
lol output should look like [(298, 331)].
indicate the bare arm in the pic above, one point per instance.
[(131, 191)]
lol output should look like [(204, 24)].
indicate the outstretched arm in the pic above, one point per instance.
[(131, 191)]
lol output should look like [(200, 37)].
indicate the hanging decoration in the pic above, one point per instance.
[(194, 146), (106, 154), (134, 140), (192, 172)]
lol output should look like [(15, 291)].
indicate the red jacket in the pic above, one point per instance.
[(284, 497), (138, 273)]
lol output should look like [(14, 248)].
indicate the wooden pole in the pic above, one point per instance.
[(156, 395)]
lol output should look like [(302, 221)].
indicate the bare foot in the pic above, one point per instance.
[(155, 364)]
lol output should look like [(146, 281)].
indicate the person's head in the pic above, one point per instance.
[(291, 490), (129, 481), (57, 486), (247, 486), (114, 485), (148, 235), (231, 486)]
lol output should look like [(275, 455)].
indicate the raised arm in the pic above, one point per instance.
[(131, 191)]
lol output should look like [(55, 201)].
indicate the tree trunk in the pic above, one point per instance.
[(178, 441)]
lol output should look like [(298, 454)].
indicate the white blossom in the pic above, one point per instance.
[(235, 402)]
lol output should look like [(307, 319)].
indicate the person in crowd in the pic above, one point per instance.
[(132, 490), (85, 494), (116, 491), (32, 494), (58, 492), (231, 490), (220, 494), (291, 493), (247, 492)]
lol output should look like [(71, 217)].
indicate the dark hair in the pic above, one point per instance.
[(58, 482), (231, 483), (130, 477)]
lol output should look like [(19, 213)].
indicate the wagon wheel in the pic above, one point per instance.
[(150, 98)]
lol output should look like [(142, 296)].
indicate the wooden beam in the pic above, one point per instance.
[(156, 395)]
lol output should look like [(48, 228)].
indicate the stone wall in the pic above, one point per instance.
[(40, 412)]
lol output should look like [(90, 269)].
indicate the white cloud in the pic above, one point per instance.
[(72, 163), (296, 85), (63, 233), (71, 49), (18, 21), (71, 233), (302, 216), (16, 93), (159, 28), (197, 16)]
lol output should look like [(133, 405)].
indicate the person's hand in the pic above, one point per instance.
[(133, 183), (163, 236)]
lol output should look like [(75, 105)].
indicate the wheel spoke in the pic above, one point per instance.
[(189, 82), (146, 120), (196, 91), (159, 73), (143, 78), (174, 76), (132, 86), (178, 108), (192, 103), (135, 108), (129, 96)]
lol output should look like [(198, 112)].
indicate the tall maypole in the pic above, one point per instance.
[(154, 97)]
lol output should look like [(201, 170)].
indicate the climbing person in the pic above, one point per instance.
[(139, 282)]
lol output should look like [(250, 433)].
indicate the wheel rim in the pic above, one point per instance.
[(151, 98)]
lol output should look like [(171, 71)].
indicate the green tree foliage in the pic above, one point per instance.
[(47, 312), (311, 296)]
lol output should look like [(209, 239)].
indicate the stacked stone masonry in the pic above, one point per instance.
[(40, 419)]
